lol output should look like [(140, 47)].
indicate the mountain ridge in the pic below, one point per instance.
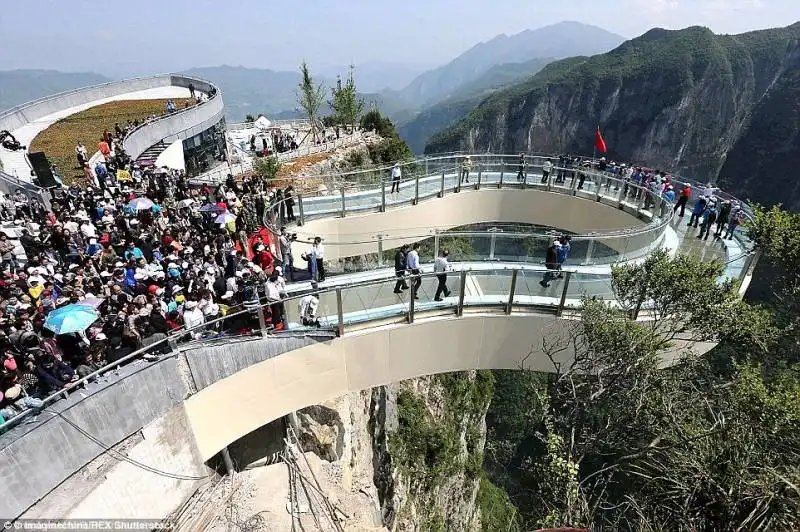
[(683, 100)]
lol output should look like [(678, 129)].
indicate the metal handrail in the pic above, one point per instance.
[(172, 338)]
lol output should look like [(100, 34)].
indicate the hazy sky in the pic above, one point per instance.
[(137, 36)]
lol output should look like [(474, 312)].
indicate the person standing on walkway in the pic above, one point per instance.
[(737, 216), (400, 269), (285, 243), (441, 267), (396, 175), (697, 211), (521, 169), (683, 199), (308, 308), (412, 264), (288, 199), (551, 263), (709, 218), (316, 267), (722, 218), (546, 168), (466, 166)]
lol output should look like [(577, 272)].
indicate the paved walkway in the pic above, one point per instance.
[(14, 163)]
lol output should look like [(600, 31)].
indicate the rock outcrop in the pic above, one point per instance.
[(713, 107)]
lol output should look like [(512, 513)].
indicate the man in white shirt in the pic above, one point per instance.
[(396, 175), (412, 263), (546, 168), (441, 267), (317, 256)]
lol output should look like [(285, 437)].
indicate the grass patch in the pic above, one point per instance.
[(59, 140)]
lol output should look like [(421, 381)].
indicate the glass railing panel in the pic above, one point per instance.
[(587, 285), (428, 291), (530, 287), (466, 247), (487, 287), (326, 311), (363, 197), (401, 193), (373, 301)]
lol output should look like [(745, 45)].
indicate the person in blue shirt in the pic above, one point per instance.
[(697, 212), (709, 218), (669, 194), (93, 248), (132, 252)]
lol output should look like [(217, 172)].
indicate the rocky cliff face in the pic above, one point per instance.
[(406, 456), (714, 107)]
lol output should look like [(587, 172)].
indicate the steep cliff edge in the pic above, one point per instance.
[(714, 107), (407, 456)]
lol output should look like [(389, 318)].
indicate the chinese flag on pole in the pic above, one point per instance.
[(599, 143)]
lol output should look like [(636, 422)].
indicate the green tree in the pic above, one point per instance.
[(266, 167), (346, 105), (616, 440), (310, 97), (250, 118)]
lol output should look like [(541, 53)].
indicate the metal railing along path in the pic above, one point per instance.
[(504, 289)]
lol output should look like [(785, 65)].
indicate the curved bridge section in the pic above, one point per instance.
[(235, 406), (180, 125)]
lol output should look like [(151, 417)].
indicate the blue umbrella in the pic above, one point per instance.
[(225, 217), (140, 204), (70, 318), (211, 207)]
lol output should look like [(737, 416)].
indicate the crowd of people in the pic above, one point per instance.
[(276, 142), (151, 254)]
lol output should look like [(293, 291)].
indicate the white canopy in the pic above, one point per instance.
[(262, 122)]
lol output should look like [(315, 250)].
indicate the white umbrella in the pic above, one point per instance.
[(140, 204), (224, 218), (185, 203)]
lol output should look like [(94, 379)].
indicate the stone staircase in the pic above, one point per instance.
[(153, 151)]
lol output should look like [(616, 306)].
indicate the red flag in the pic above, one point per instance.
[(599, 143)]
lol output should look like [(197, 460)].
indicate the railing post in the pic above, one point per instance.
[(300, 209), (412, 299), (435, 243), (426, 166), (383, 195), (339, 312), (416, 190), (550, 178), (589, 253), (380, 250), (561, 303), (511, 291), (441, 190), (502, 171), (462, 288), (262, 322), (458, 179), (493, 241), (574, 185), (343, 204), (478, 184)]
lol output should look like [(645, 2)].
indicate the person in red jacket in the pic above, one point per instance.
[(686, 193)]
